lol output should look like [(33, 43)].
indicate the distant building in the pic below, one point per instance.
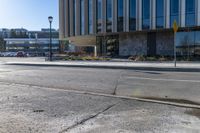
[(4, 33), (38, 46), (32, 42)]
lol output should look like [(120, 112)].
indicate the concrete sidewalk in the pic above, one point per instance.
[(151, 66)]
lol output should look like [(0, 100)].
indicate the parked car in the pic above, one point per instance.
[(21, 54)]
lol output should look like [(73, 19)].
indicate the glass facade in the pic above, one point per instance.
[(190, 13), (99, 16), (132, 15), (188, 44), (159, 13), (145, 14), (90, 16), (108, 15), (174, 11), (82, 17), (120, 15)]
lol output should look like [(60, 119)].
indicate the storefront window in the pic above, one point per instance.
[(188, 44), (145, 14), (132, 15)]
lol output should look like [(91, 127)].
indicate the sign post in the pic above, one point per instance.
[(175, 28)]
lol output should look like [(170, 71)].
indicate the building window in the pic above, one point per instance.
[(145, 14), (120, 17), (99, 16), (159, 13), (82, 17), (174, 11), (132, 15), (108, 15), (90, 14), (74, 17), (190, 13)]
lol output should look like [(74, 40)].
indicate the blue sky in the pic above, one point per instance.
[(29, 14)]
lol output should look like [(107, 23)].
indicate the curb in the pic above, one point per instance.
[(172, 69), (182, 105)]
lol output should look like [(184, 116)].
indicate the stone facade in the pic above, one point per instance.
[(132, 44), (165, 43), (136, 44)]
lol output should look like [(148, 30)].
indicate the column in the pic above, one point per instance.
[(167, 14), (103, 16), (94, 23), (125, 15), (95, 51), (153, 14), (126, 10), (86, 17), (61, 19), (114, 16), (67, 19), (139, 14), (78, 18), (71, 16), (182, 13)]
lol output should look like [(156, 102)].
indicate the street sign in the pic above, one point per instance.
[(175, 26)]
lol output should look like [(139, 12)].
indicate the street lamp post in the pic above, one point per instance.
[(50, 18)]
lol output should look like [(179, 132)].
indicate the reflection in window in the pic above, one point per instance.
[(159, 13), (132, 15), (82, 17), (174, 11), (145, 14), (120, 17), (197, 44), (190, 13), (90, 17), (99, 16), (188, 44), (109, 16)]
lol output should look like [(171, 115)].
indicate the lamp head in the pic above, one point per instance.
[(50, 18)]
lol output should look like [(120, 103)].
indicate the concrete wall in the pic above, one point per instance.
[(165, 43), (133, 44)]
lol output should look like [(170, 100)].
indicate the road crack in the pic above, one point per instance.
[(117, 83), (81, 122)]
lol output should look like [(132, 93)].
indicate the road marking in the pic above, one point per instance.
[(170, 80)]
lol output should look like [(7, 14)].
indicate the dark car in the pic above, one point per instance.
[(20, 54)]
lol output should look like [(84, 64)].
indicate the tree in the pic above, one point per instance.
[(2, 44), (12, 33), (64, 45)]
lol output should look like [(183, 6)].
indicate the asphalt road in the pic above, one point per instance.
[(29, 109), (145, 84), (34, 99)]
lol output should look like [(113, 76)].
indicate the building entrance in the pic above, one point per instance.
[(108, 45)]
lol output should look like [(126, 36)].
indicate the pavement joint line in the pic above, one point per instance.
[(117, 82), (83, 121), (110, 95)]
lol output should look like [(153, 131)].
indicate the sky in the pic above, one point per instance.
[(28, 14)]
